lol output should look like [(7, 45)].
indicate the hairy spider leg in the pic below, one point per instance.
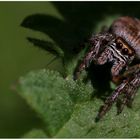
[(108, 55), (135, 69), (127, 100), (121, 104), (98, 43), (104, 57), (128, 88), (130, 92), (110, 100), (89, 57)]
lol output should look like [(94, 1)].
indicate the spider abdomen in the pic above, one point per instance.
[(128, 28)]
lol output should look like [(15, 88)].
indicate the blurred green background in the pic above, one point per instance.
[(17, 56)]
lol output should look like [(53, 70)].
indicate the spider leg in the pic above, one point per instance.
[(134, 84), (98, 43), (127, 100), (130, 101), (131, 89), (110, 100), (128, 87), (130, 93), (121, 105), (105, 55)]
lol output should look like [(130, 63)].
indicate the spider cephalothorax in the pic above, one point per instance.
[(120, 46)]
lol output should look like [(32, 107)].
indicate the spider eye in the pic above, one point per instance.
[(125, 51), (119, 46)]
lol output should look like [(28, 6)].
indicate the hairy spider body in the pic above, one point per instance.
[(120, 46)]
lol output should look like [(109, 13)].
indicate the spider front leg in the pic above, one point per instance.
[(98, 44)]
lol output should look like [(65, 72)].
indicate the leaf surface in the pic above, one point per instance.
[(68, 109), (35, 133)]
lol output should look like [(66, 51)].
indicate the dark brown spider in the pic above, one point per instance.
[(119, 45)]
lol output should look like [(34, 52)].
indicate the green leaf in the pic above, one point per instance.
[(68, 109), (52, 97), (47, 45), (82, 124), (35, 133)]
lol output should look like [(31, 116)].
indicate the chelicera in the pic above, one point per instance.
[(120, 46)]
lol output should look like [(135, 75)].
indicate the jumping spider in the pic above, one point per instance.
[(120, 46)]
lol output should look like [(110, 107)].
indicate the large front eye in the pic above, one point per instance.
[(125, 51)]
